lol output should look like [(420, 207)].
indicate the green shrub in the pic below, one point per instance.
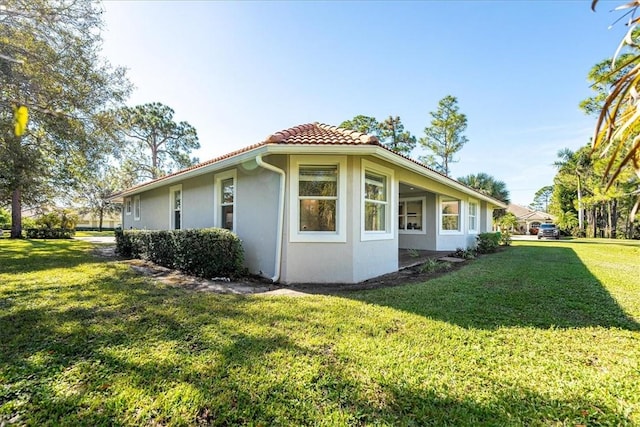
[(28, 223), (488, 242), (49, 233), (209, 252), (59, 224), (505, 238), (123, 244)]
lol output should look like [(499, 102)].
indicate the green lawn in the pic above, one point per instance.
[(543, 333)]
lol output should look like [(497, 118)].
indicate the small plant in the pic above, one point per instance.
[(469, 253), (413, 253), (432, 265)]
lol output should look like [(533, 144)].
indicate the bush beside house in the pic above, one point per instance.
[(208, 253)]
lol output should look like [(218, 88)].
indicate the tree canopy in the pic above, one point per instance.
[(51, 64), (365, 124), (445, 136), (153, 144), (394, 136), (390, 132)]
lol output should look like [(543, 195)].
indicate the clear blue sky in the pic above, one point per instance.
[(239, 71)]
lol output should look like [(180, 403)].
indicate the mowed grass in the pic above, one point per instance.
[(543, 333)]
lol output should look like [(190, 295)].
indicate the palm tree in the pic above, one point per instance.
[(488, 185), (575, 163)]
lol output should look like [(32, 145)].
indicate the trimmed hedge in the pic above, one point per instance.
[(50, 233), (208, 252)]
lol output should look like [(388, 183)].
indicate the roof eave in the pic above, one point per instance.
[(276, 148)]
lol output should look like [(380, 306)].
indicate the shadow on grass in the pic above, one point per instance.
[(100, 365), (536, 286), (117, 350)]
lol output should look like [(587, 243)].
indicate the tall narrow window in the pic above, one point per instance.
[(318, 197), (136, 207), (175, 210), (226, 205), (450, 215), (127, 206), (375, 202), (224, 197), (473, 217)]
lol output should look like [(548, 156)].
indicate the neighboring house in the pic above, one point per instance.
[(91, 221), (528, 219), (316, 203)]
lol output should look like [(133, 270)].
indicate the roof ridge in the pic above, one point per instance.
[(356, 136), (353, 134)]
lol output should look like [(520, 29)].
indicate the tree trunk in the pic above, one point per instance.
[(580, 209), (16, 214), (613, 217), (100, 217)]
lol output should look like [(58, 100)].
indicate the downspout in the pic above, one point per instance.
[(279, 171)]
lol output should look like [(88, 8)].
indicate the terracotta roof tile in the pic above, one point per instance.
[(320, 134)]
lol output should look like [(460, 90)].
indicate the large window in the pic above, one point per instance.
[(473, 217), (450, 215), (411, 215), (175, 211), (225, 200), (318, 197), (318, 205), (136, 208), (377, 182)]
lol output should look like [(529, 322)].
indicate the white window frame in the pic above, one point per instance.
[(443, 199), (128, 208), (390, 213), (297, 235), (423, 225), (137, 208), (473, 202), (217, 198), (172, 191)]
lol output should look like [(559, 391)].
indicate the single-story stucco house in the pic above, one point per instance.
[(316, 203), (529, 219)]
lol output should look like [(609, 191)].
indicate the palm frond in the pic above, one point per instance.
[(619, 121)]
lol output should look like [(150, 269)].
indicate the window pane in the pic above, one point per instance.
[(318, 181), (317, 215), (414, 215), (227, 191), (177, 200), (227, 217), (374, 217), (450, 207), (176, 220), (450, 222), (374, 187)]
